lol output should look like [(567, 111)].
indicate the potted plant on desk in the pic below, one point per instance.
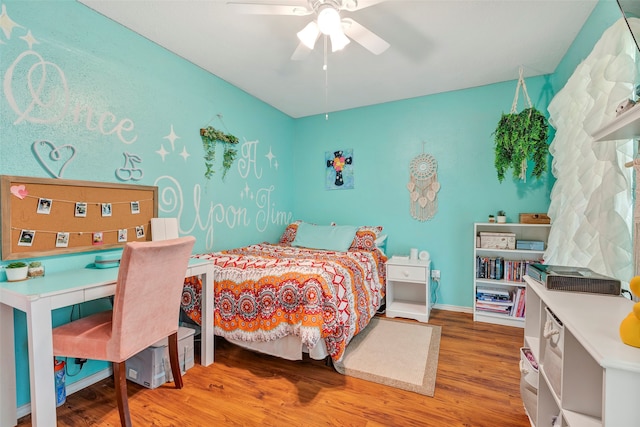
[(16, 271)]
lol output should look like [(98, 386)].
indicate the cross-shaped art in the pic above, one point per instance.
[(339, 166)]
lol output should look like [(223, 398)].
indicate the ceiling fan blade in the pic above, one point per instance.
[(250, 8), (301, 52), (365, 37)]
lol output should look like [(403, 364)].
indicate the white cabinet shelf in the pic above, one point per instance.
[(408, 289), (624, 126), (597, 376), (510, 282)]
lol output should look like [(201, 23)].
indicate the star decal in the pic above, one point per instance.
[(245, 192), (270, 156), (162, 152), (172, 138), (184, 153), (275, 165), (30, 39), (6, 23)]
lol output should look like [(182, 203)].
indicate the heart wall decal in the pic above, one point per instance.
[(20, 191), (52, 158)]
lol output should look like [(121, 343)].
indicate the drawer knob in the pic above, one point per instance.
[(405, 273)]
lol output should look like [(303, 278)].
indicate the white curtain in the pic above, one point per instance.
[(591, 206)]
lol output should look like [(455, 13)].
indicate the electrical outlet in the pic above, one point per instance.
[(435, 274)]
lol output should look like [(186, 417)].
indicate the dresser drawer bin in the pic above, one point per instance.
[(407, 272), (528, 367)]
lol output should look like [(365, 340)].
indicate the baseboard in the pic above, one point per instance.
[(453, 308), (72, 388)]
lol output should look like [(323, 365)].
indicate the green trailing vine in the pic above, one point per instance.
[(210, 136), (521, 137)]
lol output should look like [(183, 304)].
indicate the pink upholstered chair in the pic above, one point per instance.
[(145, 310)]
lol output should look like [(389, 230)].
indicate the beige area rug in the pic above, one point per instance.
[(399, 354)]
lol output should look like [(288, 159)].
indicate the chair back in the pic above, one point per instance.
[(146, 305)]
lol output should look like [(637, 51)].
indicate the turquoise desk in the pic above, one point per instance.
[(37, 298)]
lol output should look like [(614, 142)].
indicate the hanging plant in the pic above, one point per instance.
[(210, 136), (519, 138)]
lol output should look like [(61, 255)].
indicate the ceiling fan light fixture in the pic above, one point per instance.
[(328, 20), (338, 41), (309, 34)]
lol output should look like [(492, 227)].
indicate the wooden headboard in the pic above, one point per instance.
[(35, 210)]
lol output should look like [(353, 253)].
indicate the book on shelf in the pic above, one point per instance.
[(492, 293), (521, 303), (497, 268), (516, 301), (500, 300), (495, 307)]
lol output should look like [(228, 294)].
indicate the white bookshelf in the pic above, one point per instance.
[(537, 232)]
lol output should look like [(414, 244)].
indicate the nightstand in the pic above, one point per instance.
[(408, 289)]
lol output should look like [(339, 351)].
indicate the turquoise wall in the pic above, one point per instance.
[(70, 76), (603, 16), (113, 76), (457, 130)]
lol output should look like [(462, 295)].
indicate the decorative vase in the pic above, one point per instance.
[(16, 274)]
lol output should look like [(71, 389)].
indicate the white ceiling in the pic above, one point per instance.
[(436, 46)]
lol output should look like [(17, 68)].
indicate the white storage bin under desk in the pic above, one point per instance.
[(151, 367)]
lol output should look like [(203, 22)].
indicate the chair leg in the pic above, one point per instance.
[(174, 360), (120, 378)]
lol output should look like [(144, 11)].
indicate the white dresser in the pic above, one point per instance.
[(586, 375)]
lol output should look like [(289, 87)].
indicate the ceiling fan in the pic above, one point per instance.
[(328, 22)]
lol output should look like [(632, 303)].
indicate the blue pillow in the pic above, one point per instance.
[(326, 237)]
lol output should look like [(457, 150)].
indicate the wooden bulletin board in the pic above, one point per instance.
[(38, 213)]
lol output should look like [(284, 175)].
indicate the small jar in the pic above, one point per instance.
[(35, 269)]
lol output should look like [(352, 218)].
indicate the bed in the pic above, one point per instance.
[(313, 291)]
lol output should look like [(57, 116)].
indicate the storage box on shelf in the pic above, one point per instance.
[(502, 253), (586, 375)]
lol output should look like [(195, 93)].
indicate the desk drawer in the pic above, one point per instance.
[(407, 272), (67, 299), (99, 292)]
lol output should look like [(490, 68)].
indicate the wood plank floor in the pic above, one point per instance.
[(477, 385)]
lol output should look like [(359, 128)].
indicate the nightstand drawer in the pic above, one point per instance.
[(407, 272)]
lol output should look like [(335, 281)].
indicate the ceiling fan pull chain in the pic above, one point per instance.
[(326, 82)]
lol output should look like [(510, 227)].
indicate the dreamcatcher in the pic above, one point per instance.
[(423, 187)]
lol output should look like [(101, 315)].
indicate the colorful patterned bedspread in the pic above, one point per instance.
[(264, 292)]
